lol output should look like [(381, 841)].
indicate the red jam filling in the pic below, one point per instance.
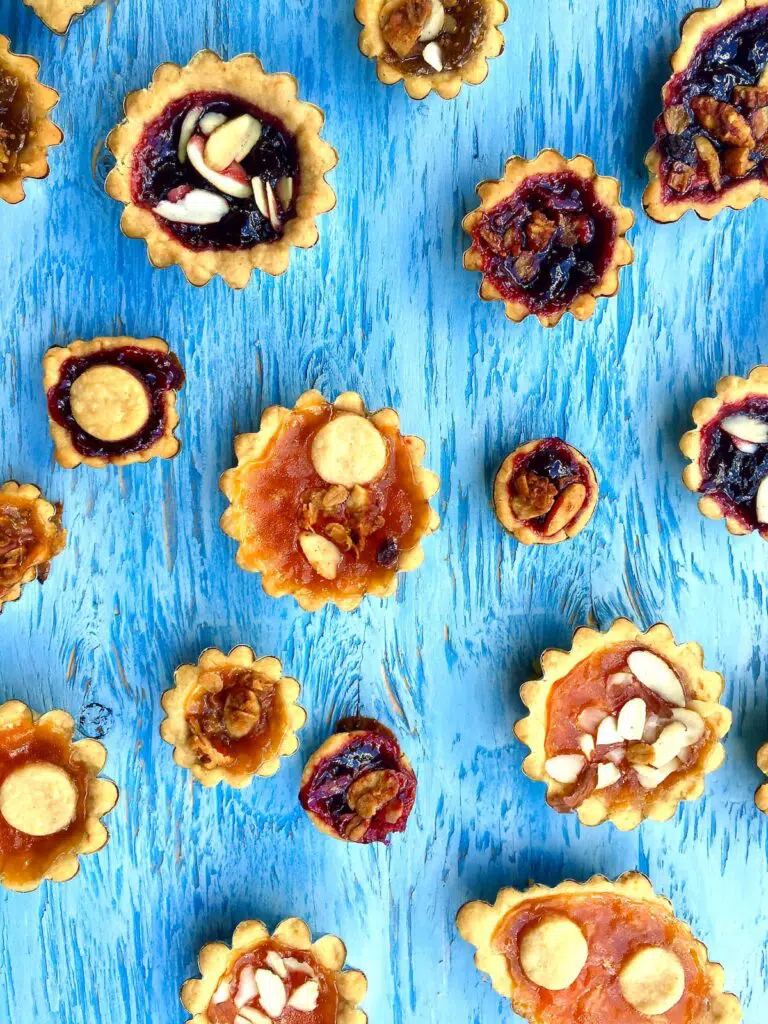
[(540, 476)]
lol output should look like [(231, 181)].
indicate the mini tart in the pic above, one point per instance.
[(545, 492), (729, 453), (112, 401), (359, 786), (548, 237), (51, 800), (232, 717), (26, 133), (58, 15), (267, 211), (615, 950), (711, 142), (31, 535), (761, 796), (282, 977), (354, 514), (624, 726), (437, 45)]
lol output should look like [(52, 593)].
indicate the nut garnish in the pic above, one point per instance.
[(656, 674), (676, 119), (680, 177), (234, 182), (533, 496), (723, 121), (761, 501), (322, 555), (210, 122), (750, 96), (272, 208), (569, 503), (187, 130), (710, 159), (242, 713), (737, 161), (746, 427), (305, 997), (539, 229), (759, 122), (401, 23), (285, 192), (198, 206), (232, 141), (640, 753), (565, 768), (434, 23), (433, 56), (272, 994), (371, 792)]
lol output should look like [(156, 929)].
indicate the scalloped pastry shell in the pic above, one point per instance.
[(276, 94), (216, 959), (477, 923), (446, 84), (174, 728), (249, 448), (101, 798), (761, 796), (55, 535), (607, 190), (33, 158), (58, 15), (728, 390), (704, 686)]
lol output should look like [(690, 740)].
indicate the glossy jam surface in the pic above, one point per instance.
[(615, 927), (21, 542), (539, 476), (283, 494), (463, 33), (547, 243), (15, 120), (732, 474), (160, 372), (25, 858), (157, 171)]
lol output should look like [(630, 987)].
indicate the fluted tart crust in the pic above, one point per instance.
[(31, 535), (58, 15), (761, 796)]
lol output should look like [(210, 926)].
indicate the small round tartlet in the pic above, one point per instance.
[(624, 726), (431, 44), (548, 238), (232, 717), (31, 535), (283, 977), (58, 15), (761, 796), (26, 131), (614, 949), (329, 502), (221, 168), (728, 453), (545, 492), (51, 798)]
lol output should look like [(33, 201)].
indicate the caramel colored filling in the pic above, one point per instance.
[(15, 121), (22, 542), (462, 34)]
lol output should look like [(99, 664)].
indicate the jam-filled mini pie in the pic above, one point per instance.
[(112, 401), (232, 717), (328, 501), (431, 44), (221, 168), (31, 535), (58, 15), (761, 796), (600, 952), (623, 726), (282, 978), (711, 142), (51, 799), (729, 453), (26, 132), (545, 492), (548, 237), (359, 786)]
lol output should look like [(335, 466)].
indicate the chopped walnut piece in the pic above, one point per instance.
[(358, 499), (513, 242), (759, 121), (534, 496), (493, 240), (680, 177), (750, 96), (676, 119), (723, 121), (710, 159), (334, 496), (242, 712), (526, 267), (355, 828), (539, 230), (371, 792), (340, 536), (640, 753), (737, 161), (576, 229), (402, 23)]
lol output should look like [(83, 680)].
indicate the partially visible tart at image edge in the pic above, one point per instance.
[(761, 796), (31, 535), (58, 15)]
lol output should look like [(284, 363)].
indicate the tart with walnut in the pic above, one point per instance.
[(601, 952), (31, 535), (711, 148), (548, 237), (328, 501), (232, 717), (545, 492), (282, 978), (624, 726), (51, 798)]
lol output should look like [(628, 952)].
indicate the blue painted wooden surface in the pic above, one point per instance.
[(381, 305)]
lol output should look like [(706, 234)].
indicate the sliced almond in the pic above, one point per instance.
[(693, 722), (761, 501), (565, 768), (434, 23), (433, 55), (246, 988), (656, 674), (285, 192), (271, 992), (569, 503), (746, 427), (210, 122), (222, 993), (232, 141), (607, 775), (276, 963), (652, 728), (587, 744), (233, 183), (305, 996), (745, 446), (607, 733), (669, 744), (590, 719), (298, 966), (187, 130), (322, 555), (197, 207), (272, 208), (260, 196), (650, 777), (631, 720), (250, 1015)]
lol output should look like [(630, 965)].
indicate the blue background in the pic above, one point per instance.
[(381, 305)]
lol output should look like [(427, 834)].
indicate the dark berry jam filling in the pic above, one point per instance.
[(159, 372), (540, 476), (464, 28), (734, 469), (547, 243), (159, 175), (713, 133)]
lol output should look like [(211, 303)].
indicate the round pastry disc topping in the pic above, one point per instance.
[(553, 952), (349, 450), (652, 980), (109, 402), (38, 799)]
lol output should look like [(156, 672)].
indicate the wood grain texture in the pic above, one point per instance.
[(382, 306)]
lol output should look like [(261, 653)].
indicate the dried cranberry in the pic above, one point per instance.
[(388, 554)]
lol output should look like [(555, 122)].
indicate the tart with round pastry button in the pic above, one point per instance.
[(282, 978), (599, 952), (112, 401), (548, 238), (545, 492), (58, 15), (221, 168), (359, 786), (26, 131), (728, 453), (31, 535), (711, 139), (51, 798), (624, 726), (328, 501), (761, 796), (431, 44), (232, 717)]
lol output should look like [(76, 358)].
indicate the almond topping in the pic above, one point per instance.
[(197, 207), (276, 964), (569, 503), (607, 733), (745, 427), (433, 55), (210, 122), (222, 993), (434, 23), (565, 768), (233, 183), (587, 744), (671, 741), (246, 988), (298, 966), (322, 555), (631, 720), (305, 996), (656, 674), (187, 130), (650, 777), (272, 208), (607, 775), (761, 501), (590, 718), (260, 196), (402, 21), (271, 992), (285, 191), (693, 722), (232, 141)]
